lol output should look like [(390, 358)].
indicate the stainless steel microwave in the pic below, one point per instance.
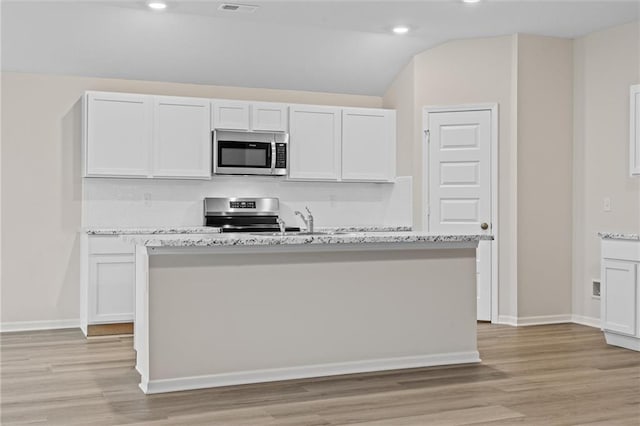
[(244, 153)]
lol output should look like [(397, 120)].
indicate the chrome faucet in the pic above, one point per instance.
[(308, 221), (281, 225)]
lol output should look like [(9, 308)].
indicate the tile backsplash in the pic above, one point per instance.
[(142, 202)]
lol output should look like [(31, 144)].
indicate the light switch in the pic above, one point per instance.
[(606, 204)]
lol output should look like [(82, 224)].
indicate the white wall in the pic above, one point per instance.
[(544, 152), (466, 72), (606, 64), (401, 97), (42, 191), (530, 78)]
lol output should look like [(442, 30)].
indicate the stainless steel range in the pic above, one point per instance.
[(244, 214)]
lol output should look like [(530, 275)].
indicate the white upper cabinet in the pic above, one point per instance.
[(368, 144), (230, 115), (315, 142), (634, 150), (268, 117), (249, 116), (182, 137), (119, 133), (147, 136)]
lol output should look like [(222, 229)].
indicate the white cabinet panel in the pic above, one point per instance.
[(619, 294), (118, 132), (182, 137), (230, 115), (368, 144), (268, 117), (315, 142), (111, 288), (634, 150)]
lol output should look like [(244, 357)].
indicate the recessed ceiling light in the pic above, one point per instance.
[(471, 1), (156, 4), (400, 29)]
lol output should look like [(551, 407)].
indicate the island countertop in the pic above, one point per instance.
[(619, 236), (219, 240), (167, 230)]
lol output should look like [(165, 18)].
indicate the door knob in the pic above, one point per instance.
[(484, 226)]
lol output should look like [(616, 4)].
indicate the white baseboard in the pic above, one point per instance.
[(507, 320), (627, 342), (303, 372), (38, 325), (544, 319), (537, 320), (588, 321)]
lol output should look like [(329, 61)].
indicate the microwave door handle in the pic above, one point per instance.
[(272, 153)]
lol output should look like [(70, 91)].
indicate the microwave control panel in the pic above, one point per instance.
[(281, 155)]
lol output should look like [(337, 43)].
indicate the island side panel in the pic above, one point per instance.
[(227, 315), (141, 320)]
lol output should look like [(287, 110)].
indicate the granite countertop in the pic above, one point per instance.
[(212, 230), (153, 230), (266, 240), (618, 236), (364, 228)]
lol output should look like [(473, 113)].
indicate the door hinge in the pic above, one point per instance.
[(428, 211)]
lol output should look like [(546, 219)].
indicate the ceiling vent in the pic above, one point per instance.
[(239, 8)]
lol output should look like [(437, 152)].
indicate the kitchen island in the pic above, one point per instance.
[(218, 310)]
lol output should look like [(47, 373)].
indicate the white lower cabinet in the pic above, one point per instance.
[(620, 294), (619, 297), (111, 285), (107, 288)]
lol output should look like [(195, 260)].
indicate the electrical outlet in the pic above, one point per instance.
[(147, 199), (606, 204)]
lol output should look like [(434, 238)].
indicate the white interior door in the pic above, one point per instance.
[(459, 185)]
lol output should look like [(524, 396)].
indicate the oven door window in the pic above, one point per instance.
[(244, 154)]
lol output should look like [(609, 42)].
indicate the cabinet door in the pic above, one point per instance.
[(118, 134), (230, 115), (634, 151), (618, 296), (368, 144), (268, 117), (111, 288), (182, 138), (314, 142)]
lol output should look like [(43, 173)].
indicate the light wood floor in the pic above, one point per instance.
[(546, 375)]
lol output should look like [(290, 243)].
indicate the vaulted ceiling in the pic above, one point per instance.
[(329, 46)]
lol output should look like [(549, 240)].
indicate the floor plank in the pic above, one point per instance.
[(544, 375)]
